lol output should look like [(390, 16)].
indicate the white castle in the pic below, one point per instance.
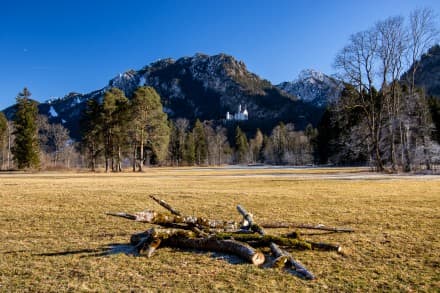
[(239, 116)]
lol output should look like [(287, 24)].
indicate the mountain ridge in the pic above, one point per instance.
[(198, 87)]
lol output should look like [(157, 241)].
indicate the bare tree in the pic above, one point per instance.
[(422, 34), (61, 147), (357, 63), (390, 51)]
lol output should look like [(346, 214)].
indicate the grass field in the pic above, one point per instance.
[(54, 233)]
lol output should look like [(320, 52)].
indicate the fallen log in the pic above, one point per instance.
[(278, 253), (259, 240), (240, 249), (162, 219), (147, 242), (298, 267)]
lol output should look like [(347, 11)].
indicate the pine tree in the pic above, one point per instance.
[(26, 148), (190, 150), (151, 133), (3, 137), (242, 146), (91, 131), (201, 147), (114, 119)]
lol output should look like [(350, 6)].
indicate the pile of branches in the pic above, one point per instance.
[(246, 239)]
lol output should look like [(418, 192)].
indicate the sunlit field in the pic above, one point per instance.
[(55, 236)]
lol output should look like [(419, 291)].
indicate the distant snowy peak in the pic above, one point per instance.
[(314, 87), (311, 75)]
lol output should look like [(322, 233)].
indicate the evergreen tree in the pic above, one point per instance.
[(91, 130), (26, 148), (3, 137), (434, 107), (151, 133), (242, 146), (190, 149), (201, 147), (114, 119)]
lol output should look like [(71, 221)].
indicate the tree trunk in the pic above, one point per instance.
[(141, 159), (134, 157)]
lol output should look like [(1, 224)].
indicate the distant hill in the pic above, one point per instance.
[(203, 87), (428, 72)]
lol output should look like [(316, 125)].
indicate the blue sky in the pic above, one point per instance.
[(56, 47)]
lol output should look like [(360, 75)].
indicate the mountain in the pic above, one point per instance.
[(313, 87), (428, 72), (201, 86)]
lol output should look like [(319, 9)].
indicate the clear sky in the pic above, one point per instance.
[(56, 47)]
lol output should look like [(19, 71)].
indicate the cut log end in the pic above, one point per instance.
[(258, 258)]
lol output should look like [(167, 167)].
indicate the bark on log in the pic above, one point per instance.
[(278, 252), (149, 240), (306, 226), (153, 217), (259, 240), (299, 268), (240, 249)]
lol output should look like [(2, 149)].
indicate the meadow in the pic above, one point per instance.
[(55, 236)]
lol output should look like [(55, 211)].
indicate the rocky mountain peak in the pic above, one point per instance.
[(314, 87)]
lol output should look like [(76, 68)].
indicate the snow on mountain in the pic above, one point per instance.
[(201, 87), (52, 112), (314, 87)]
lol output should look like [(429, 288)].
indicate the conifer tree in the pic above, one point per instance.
[(114, 108), (91, 128), (242, 145), (190, 150), (26, 148), (150, 128), (201, 147), (3, 136)]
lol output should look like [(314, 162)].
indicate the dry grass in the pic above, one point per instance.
[(53, 229)]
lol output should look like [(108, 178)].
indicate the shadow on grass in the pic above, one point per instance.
[(127, 249), (110, 249)]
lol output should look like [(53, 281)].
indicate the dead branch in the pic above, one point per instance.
[(166, 205), (306, 226)]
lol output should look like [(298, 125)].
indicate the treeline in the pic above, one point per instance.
[(120, 133), (381, 117)]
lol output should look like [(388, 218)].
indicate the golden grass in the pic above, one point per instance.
[(53, 227)]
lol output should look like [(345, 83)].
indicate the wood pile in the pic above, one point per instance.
[(246, 239)]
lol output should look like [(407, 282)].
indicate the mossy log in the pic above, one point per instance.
[(278, 253), (231, 246), (147, 242), (281, 254), (265, 240)]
